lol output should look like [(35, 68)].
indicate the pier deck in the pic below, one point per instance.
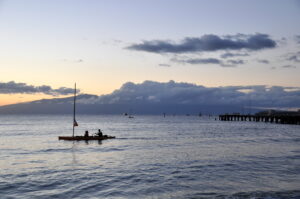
[(283, 119)]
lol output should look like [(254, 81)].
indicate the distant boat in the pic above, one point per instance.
[(130, 114), (79, 138)]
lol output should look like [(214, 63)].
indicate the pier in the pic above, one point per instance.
[(278, 119)]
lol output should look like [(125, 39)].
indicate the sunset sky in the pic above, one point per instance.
[(105, 43)]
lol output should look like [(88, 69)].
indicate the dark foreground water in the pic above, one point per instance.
[(152, 157)]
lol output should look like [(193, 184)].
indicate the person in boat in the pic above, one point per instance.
[(99, 133), (86, 134)]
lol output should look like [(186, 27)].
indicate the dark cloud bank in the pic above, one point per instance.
[(208, 42), (22, 88), (241, 44), (152, 97)]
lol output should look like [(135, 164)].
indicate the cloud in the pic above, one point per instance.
[(73, 61), (263, 61), (288, 66), (235, 62), (294, 58), (164, 65), (150, 92), (297, 37), (17, 88), (229, 54), (207, 43), (197, 61), (112, 42), (152, 97)]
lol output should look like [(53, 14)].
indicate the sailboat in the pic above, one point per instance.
[(86, 137)]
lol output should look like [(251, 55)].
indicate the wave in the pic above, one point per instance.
[(139, 138), (53, 150), (293, 194)]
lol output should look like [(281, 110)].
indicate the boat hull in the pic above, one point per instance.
[(79, 138)]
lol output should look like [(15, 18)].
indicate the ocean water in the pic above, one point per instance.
[(152, 157)]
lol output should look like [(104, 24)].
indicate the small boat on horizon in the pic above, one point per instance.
[(98, 136), (130, 115)]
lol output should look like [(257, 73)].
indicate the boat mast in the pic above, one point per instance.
[(74, 110)]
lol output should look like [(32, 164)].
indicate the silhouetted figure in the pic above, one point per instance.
[(86, 134), (100, 134)]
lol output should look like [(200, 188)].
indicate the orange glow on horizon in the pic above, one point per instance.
[(7, 99)]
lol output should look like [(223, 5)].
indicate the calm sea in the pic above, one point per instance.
[(152, 157)]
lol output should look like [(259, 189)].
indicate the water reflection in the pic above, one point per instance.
[(75, 147), (73, 151)]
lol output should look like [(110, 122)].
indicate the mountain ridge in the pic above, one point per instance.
[(150, 97)]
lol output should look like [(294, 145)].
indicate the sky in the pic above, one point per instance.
[(47, 46)]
